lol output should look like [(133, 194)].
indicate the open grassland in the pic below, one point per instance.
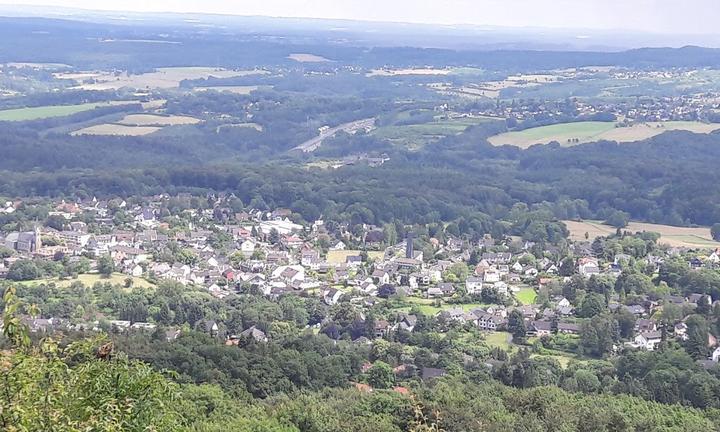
[(526, 295), (568, 134), (671, 235), (415, 136), (49, 111), (91, 279), (308, 58), (340, 256), (110, 129), (157, 120), (164, 78)]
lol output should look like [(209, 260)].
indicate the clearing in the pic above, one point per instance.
[(49, 111), (340, 256), (117, 130), (670, 235), (164, 78), (569, 134), (157, 120), (91, 279), (308, 58), (414, 136)]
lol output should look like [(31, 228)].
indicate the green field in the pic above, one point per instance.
[(90, 279), (415, 136), (499, 340), (569, 134), (427, 306), (35, 113), (526, 295)]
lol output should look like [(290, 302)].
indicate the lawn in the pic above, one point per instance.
[(585, 132), (90, 279), (526, 295), (427, 306), (35, 113), (499, 340)]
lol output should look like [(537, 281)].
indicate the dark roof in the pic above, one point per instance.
[(430, 373)]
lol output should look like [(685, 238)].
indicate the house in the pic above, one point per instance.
[(331, 296), (434, 292), (588, 267), (648, 340), (247, 248), (491, 275), (568, 328), (681, 330), (447, 289), (716, 355), (540, 328), (636, 310), (431, 373), (381, 277), (645, 325), (473, 285), (406, 322), (381, 328), (255, 333)]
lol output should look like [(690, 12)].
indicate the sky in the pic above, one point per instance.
[(656, 16)]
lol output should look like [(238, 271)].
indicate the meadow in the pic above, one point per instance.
[(49, 111), (674, 236), (569, 134), (415, 136)]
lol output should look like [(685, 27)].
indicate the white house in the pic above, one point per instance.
[(473, 285), (247, 247), (648, 340), (716, 355)]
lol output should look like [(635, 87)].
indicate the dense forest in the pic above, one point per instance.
[(663, 180)]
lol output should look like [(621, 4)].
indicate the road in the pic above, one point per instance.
[(311, 145)]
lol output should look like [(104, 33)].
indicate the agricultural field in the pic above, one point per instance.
[(157, 120), (340, 256), (112, 129), (569, 134), (90, 279), (415, 136), (670, 235), (49, 111), (308, 58), (162, 78)]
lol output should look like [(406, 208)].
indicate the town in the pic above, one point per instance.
[(519, 290)]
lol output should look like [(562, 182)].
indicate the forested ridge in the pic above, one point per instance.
[(665, 180)]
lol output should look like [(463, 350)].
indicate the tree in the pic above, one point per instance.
[(23, 270), (106, 265), (618, 219), (516, 324), (598, 335), (593, 304), (715, 231), (381, 375), (697, 337)]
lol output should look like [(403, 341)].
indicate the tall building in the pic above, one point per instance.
[(409, 246)]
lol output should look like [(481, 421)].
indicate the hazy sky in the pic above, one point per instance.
[(661, 16)]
